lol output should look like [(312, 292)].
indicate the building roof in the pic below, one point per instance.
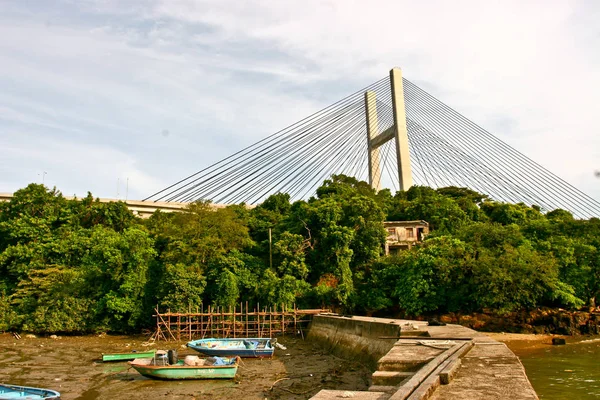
[(405, 223)]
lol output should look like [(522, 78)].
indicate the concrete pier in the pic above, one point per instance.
[(413, 360)]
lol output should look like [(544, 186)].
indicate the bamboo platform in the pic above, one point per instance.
[(231, 322)]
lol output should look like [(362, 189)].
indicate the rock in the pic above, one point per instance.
[(558, 341), (527, 328), (538, 330), (544, 320), (30, 336), (53, 337), (435, 322)]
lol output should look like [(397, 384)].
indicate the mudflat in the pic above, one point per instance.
[(72, 365), (523, 343)]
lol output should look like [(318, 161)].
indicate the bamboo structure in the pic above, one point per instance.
[(223, 322)]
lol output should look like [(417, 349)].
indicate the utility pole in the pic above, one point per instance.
[(270, 251)]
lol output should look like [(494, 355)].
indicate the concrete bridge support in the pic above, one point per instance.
[(372, 131), (398, 132)]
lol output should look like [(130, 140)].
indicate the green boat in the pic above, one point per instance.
[(128, 356), (211, 368)]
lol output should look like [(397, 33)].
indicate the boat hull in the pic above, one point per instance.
[(128, 356), (232, 347), (180, 372), (27, 393), (234, 352)]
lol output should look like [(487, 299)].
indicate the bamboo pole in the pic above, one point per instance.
[(211, 320), (165, 324), (233, 320), (258, 320), (222, 318), (271, 320), (157, 320)]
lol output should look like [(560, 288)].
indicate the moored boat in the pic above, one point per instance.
[(128, 356), (192, 367), (26, 393), (242, 347)]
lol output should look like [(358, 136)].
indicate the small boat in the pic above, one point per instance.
[(246, 347), (26, 393), (192, 367), (128, 356)]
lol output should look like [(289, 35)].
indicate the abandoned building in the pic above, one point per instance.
[(402, 235)]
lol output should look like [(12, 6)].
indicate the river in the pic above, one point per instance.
[(564, 372)]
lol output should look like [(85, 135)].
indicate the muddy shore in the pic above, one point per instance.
[(523, 342), (72, 366)]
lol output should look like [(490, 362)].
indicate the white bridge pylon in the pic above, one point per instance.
[(397, 131)]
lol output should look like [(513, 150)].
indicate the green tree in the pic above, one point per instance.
[(422, 203), (117, 264), (507, 214), (180, 288), (289, 250), (187, 244)]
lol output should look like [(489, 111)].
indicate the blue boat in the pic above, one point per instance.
[(26, 393), (246, 347)]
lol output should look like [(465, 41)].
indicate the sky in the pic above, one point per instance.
[(124, 97)]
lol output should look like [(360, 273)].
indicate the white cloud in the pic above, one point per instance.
[(73, 168), (221, 75)]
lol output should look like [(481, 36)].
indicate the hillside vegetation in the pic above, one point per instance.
[(84, 266)]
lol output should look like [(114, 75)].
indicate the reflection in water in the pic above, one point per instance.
[(564, 372)]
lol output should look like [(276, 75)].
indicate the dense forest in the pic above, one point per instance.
[(85, 266)]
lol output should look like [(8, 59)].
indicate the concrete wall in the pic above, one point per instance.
[(357, 338), (425, 362)]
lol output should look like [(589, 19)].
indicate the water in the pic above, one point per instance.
[(565, 372)]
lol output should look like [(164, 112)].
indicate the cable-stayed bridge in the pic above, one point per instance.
[(392, 134)]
